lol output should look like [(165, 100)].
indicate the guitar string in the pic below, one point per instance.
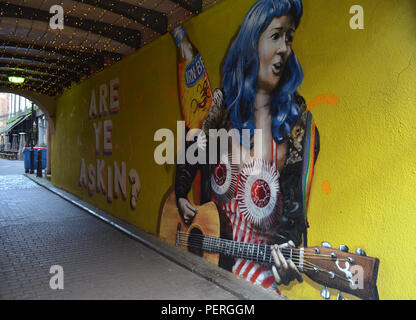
[(222, 251), (307, 265), (201, 238), (225, 251), (199, 244), (284, 250)]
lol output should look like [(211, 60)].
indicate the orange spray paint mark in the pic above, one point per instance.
[(328, 99), (172, 93), (140, 98), (326, 187)]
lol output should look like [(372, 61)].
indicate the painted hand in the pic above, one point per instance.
[(202, 141), (284, 271), (187, 209)]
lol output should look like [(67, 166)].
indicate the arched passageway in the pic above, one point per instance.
[(44, 124)]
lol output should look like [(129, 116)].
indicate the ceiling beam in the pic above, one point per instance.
[(23, 65), (128, 36), (5, 76), (152, 19), (54, 80), (87, 57), (37, 66), (45, 81), (195, 6), (39, 83), (51, 60), (37, 75), (31, 86)]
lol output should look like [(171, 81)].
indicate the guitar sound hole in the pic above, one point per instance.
[(195, 242)]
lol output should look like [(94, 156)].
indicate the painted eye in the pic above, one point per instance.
[(275, 36)]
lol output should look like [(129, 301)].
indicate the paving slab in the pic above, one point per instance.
[(102, 257)]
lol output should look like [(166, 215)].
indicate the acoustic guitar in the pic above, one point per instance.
[(354, 273)]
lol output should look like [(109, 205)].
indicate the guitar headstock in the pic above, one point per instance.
[(354, 273)]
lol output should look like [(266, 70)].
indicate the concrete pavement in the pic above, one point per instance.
[(11, 167), (40, 229)]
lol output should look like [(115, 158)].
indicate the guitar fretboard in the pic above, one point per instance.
[(243, 250)]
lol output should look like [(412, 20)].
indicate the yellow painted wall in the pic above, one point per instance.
[(365, 177), (368, 141)]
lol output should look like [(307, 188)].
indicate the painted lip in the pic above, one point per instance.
[(277, 68)]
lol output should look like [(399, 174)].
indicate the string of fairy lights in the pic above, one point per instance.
[(48, 61)]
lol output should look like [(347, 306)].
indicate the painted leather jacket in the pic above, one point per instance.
[(295, 178)]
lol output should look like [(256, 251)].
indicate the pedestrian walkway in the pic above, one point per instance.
[(11, 167), (39, 229)]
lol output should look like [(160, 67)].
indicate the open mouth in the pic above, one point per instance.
[(277, 68)]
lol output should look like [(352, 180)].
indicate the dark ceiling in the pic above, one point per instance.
[(96, 34)]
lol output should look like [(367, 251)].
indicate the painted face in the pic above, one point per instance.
[(274, 48)]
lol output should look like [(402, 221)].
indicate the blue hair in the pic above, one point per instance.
[(241, 67)]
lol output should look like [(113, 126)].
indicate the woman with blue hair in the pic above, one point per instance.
[(263, 198)]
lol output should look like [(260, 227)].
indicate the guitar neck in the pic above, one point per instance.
[(324, 265), (247, 251)]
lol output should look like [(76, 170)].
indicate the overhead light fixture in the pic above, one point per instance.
[(16, 79)]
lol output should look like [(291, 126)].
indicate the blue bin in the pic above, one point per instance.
[(44, 157), (26, 155), (43, 150)]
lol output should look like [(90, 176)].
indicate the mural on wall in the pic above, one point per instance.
[(249, 158), (92, 176)]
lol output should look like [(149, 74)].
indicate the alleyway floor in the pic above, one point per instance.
[(39, 230)]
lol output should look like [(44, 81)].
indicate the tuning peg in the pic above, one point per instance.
[(344, 248), (325, 293), (339, 296), (361, 252), (326, 244)]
